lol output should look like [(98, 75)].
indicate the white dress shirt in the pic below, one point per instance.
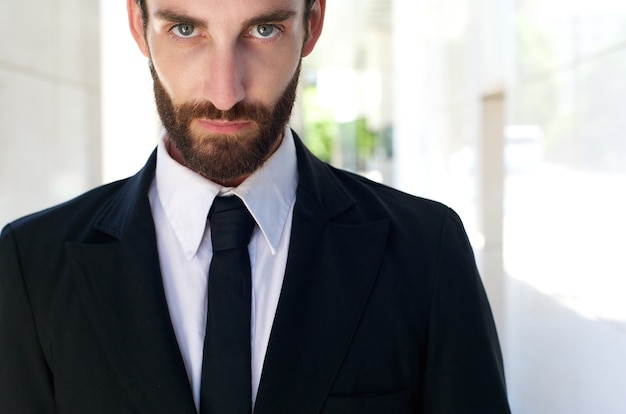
[(180, 200)]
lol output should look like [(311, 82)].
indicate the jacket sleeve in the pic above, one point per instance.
[(25, 379), (464, 372)]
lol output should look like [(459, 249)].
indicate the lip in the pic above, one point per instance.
[(223, 127)]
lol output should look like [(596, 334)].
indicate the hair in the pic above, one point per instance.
[(144, 12)]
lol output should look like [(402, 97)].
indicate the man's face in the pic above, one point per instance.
[(225, 74)]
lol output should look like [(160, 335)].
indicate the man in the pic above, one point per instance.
[(361, 299)]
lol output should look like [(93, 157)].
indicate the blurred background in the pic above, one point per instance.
[(513, 112)]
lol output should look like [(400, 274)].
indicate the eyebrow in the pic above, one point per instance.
[(172, 16), (176, 17), (277, 16)]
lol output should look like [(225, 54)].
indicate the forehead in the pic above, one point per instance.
[(221, 9)]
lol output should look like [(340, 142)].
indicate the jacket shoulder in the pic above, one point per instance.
[(389, 201), (68, 217), (75, 220)]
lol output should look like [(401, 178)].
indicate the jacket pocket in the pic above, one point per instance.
[(395, 403)]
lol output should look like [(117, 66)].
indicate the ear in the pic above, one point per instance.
[(136, 26), (316, 22)]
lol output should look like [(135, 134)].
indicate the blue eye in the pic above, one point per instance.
[(264, 31), (184, 30)]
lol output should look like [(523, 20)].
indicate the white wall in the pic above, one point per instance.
[(49, 103), (130, 123), (556, 255), (565, 230), (76, 105)]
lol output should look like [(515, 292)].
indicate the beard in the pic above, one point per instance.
[(224, 157)]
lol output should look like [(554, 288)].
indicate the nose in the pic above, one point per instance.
[(224, 85)]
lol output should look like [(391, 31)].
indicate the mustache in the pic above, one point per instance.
[(241, 111)]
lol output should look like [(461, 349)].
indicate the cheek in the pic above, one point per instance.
[(175, 73), (269, 77), (174, 80)]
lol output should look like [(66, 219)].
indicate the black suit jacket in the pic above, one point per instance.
[(381, 310)]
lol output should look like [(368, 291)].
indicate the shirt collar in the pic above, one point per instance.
[(186, 196)]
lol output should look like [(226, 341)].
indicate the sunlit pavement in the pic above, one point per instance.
[(565, 292)]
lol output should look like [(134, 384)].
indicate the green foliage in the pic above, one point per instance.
[(356, 141)]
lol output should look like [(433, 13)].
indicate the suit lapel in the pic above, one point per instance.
[(331, 268), (330, 272), (120, 286)]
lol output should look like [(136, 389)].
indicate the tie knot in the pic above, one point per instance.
[(231, 223)]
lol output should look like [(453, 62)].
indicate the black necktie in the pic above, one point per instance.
[(226, 380)]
